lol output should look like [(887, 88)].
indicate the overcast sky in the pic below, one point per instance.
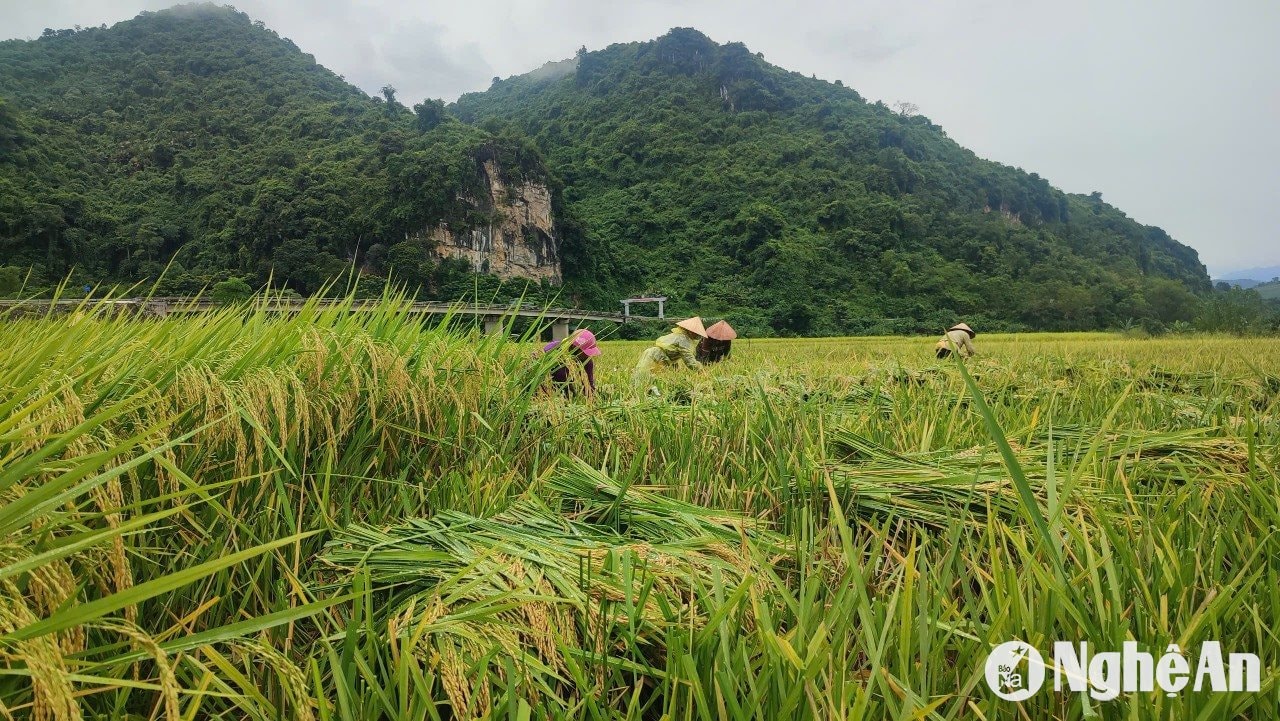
[(1169, 108)]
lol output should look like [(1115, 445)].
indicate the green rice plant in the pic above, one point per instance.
[(591, 587), (354, 512)]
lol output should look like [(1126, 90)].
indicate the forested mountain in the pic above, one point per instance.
[(198, 140), (198, 137), (794, 205)]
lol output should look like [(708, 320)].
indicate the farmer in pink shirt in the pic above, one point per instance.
[(577, 371)]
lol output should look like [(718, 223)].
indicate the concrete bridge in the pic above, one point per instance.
[(494, 316)]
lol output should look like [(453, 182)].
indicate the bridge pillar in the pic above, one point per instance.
[(492, 324), (158, 308), (560, 329)]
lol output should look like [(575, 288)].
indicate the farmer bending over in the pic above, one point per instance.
[(960, 337), (680, 345), (578, 371)]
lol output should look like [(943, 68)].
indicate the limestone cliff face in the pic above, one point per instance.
[(521, 242)]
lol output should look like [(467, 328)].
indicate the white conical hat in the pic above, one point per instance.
[(964, 327), (693, 325)]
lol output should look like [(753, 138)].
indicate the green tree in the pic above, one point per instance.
[(231, 290), (10, 279), (1238, 311), (430, 114), (1170, 301)]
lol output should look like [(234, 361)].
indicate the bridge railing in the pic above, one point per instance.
[(492, 314)]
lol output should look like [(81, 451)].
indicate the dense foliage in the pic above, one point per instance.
[(794, 206), (197, 147), (198, 138)]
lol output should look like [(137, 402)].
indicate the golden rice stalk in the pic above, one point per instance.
[(293, 683), (109, 498), (53, 698), (51, 585), (168, 682), (452, 676)]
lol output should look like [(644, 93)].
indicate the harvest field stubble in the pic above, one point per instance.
[(343, 515)]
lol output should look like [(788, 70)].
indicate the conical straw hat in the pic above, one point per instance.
[(722, 331), (964, 327), (693, 325)]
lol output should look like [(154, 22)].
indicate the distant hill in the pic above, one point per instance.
[(1269, 290), (199, 140), (1251, 277), (790, 203), (1239, 282)]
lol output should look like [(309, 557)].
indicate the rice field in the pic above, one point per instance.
[(344, 515)]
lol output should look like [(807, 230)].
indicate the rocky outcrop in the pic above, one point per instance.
[(1009, 215), (520, 242)]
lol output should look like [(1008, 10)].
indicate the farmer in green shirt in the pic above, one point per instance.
[(678, 346)]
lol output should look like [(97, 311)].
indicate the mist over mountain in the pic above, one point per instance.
[(1256, 275)]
